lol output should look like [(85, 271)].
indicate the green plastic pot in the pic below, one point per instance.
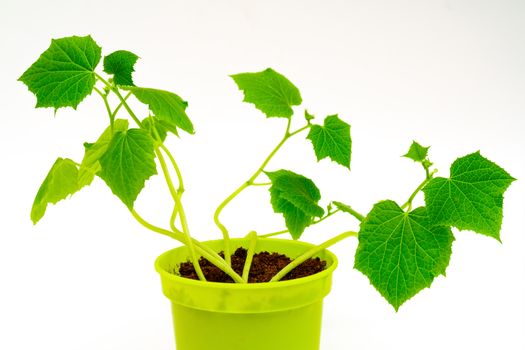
[(283, 315)]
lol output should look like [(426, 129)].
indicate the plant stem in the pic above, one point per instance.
[(120, 105), (408, 203), (310, 253), (299, 130), (180, 190), (111, 114), (202, 249), (287, 135), (224, 230), (250, 182), (121, 98), (182, 215), (108, 108), (112, 119), (354, 213), (313, 223), (184, 235), (249, 255), (261, 183), (174, 218), (175, 235)]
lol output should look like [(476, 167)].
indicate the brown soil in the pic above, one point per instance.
[(264, 266)]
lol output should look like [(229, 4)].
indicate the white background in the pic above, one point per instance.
[(450, 74)]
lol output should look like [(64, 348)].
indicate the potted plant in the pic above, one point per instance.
[(257, 292)]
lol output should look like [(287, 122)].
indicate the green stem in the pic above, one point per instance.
[(184, 235), (216, 259), (182, 215), (174, 218), (313, 223), (128, 109), (408, 203), (175, 235), (121, 98), (249, 255), (354, 213), (286, 136), (111, 114), (310, 253), (250, 182), (202, 249), (224, 230), (326, 216), (180, 190), (299, 130), (175, 211), (108, 108), (119, 106)]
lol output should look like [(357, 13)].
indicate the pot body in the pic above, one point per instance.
[(284, 315)]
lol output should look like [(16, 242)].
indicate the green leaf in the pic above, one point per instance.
[(332, 140), (401, 253), (309, 117), (296, 197), (417, 152), (64, 74), (127, 163), (90, 165), (472, 198), (167, 107), (121, 64), (156, 127), (269, 91), (60, 182)]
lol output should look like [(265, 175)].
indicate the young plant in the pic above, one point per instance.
[(401, 249)]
